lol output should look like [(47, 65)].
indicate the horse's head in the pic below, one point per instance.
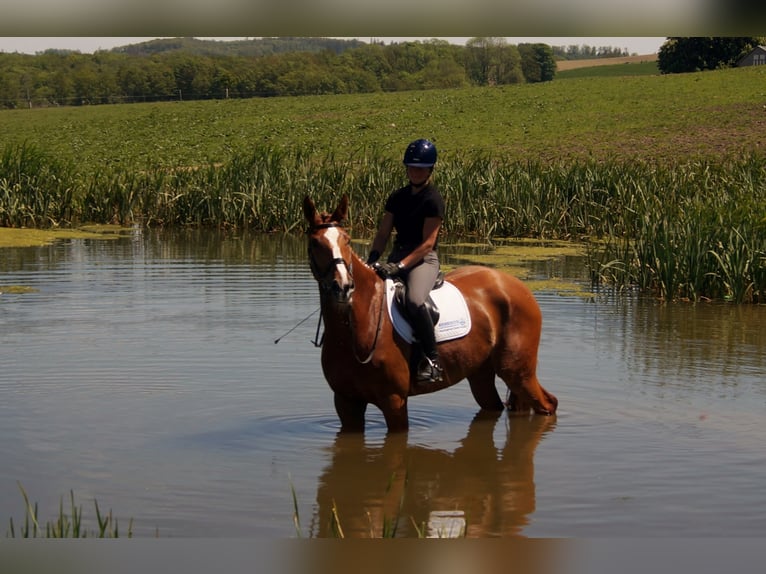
[(330, 254)]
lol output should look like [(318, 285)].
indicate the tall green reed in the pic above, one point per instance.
[(35, 188), (685, 230), (698, 235)]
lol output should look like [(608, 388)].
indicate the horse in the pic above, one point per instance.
[(365, 361)]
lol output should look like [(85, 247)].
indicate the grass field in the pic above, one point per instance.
[(671, 116)]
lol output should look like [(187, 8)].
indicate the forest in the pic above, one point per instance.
[(193, 69)]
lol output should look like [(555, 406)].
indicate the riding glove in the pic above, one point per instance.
[(388, 270)]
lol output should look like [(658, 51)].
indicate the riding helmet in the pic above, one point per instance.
[(420, 153)]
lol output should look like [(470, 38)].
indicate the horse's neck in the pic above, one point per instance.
[(367, 312), (369, 290)]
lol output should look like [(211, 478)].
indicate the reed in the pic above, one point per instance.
[(68, 523), (692, 229), (35, 188), (699, 232)]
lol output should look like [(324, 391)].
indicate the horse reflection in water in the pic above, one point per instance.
[(366, 362), (393, 481)]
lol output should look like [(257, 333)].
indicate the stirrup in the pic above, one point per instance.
[(429, 371)]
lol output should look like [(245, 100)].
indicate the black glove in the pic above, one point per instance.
[(388, 270), (373, 257)]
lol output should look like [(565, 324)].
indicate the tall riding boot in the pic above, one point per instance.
[(429, 370)]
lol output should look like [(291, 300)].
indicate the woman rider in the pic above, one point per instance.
[(416, 212)]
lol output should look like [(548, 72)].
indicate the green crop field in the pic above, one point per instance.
[(604, 117)]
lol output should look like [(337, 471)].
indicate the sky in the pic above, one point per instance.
[(89, 44)]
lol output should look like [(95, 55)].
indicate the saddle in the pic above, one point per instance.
[(400, 289), (446, 304)]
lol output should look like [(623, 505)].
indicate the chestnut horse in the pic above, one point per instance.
[(366, 361)]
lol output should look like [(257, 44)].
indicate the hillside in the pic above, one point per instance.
[(249, 47)]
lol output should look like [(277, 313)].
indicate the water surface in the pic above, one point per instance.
[(143, 373)]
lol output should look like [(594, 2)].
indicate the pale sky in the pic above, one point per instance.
[(89, 44)]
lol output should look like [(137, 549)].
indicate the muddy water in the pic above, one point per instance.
[(143, 372)]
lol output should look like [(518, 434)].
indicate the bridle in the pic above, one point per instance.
[(326, 287), (322, 275)]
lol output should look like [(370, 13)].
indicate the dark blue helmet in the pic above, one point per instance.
[(420, 153)]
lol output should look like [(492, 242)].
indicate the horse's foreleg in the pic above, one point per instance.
[(394, 408), (350, 412)]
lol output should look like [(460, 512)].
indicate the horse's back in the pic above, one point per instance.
[(477, 282), (504, 300)]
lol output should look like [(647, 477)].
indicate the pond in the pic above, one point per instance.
[(143, 372)]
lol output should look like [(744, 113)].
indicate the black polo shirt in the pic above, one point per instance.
[(410, 211)]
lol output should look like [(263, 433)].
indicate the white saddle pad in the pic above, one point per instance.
[(454, 318)]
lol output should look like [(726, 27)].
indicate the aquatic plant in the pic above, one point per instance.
[(68, 523)]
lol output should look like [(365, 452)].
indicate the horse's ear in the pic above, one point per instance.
[(341, 212), (309, 210)]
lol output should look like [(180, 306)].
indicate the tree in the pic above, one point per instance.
[(537, 62), (695, 54), (370, 59), (132, 80), (492, 61)]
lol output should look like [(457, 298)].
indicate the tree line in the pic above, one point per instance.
[(697, 54), (123, 75), (191, 69)]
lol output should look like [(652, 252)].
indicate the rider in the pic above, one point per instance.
[(416, 212)]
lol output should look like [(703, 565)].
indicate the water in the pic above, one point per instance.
[(144, 374)]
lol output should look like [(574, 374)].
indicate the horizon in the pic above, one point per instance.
[(90, 44)]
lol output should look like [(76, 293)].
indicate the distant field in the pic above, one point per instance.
[(637, 117), (616, 70), (563, 65)]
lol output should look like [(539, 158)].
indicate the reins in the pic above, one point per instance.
[(316, 341), (377, 333)]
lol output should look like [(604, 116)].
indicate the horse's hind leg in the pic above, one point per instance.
[(527, 393), (483, 388)]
